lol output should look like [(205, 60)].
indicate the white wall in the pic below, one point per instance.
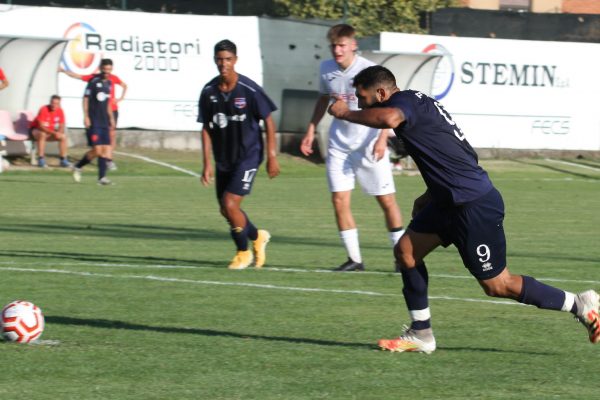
[(515, 94), (165, 59)]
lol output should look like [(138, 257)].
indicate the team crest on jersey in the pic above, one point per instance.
[(239, 102)]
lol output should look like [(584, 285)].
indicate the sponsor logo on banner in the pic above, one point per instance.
[(444, 73), (490, 73), (239, 102), (76, 57), (87, 46)]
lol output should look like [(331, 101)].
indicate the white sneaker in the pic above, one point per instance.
[(421, 341), (588, 305), (104, 181), (111, 166), (76, 174)]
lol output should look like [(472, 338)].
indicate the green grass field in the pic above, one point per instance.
[(139, 304)]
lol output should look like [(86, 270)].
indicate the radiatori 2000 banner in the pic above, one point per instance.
[(164, 59)]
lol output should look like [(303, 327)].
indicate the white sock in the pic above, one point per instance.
[(350, 240), (420, 315), (395, 236), (569, 301)]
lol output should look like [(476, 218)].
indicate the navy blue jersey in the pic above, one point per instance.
[(98, 93), (233, 120), (446, 160)]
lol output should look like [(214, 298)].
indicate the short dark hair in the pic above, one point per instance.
[(106, 61), (340, 31), (226, 45), (54, 97), (374, 75)]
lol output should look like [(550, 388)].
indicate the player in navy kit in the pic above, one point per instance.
[(230, 109), (98, 121), (460, 207)]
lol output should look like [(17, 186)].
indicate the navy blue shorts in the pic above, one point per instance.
[(475, 228), (237, 181), (97, 136)]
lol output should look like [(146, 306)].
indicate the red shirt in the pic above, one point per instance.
[(115, 81), (2, 76), (48, 119)]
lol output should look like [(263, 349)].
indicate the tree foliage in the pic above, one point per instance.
[(368, 17)]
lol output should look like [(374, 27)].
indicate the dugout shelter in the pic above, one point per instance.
[(31, 67)]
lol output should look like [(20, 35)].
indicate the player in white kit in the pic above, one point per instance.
[(354, 152)]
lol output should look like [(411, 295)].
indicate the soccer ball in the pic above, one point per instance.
[(21, 322)]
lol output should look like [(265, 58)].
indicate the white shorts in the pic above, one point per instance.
[(374, 177)]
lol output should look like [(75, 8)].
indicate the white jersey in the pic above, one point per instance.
[(344, 135)]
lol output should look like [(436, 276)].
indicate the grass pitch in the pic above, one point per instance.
[(139, 304)]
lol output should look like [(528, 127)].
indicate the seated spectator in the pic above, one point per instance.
[(49, 125), (3, 80)]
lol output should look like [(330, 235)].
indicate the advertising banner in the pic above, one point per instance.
[(165, 59), (514, 94)]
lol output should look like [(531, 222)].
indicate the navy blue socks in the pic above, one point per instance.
[(83, 162), (541, 295), (240, 237), (415, 294), (101, 167)]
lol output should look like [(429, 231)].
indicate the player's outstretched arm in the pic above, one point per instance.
[(381, 117), (309, 137), (207, 171), (3, 84), (272, 163), (70, 74)]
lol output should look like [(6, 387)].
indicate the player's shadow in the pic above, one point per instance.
[(115, 324), (492, 350), (110, 324), (557, 169), (107, 258), (153, 232), (149, 232)]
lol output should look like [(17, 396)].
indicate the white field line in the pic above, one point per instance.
[(164, 164), (271, 269), (573, 164), (244, 284)]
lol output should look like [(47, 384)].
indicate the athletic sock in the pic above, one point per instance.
[(570, 304), (541, 295), (415, 282), (83, 162), (350, 240), (395, 235), (101, 167), (252, 232), (240, 237)]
